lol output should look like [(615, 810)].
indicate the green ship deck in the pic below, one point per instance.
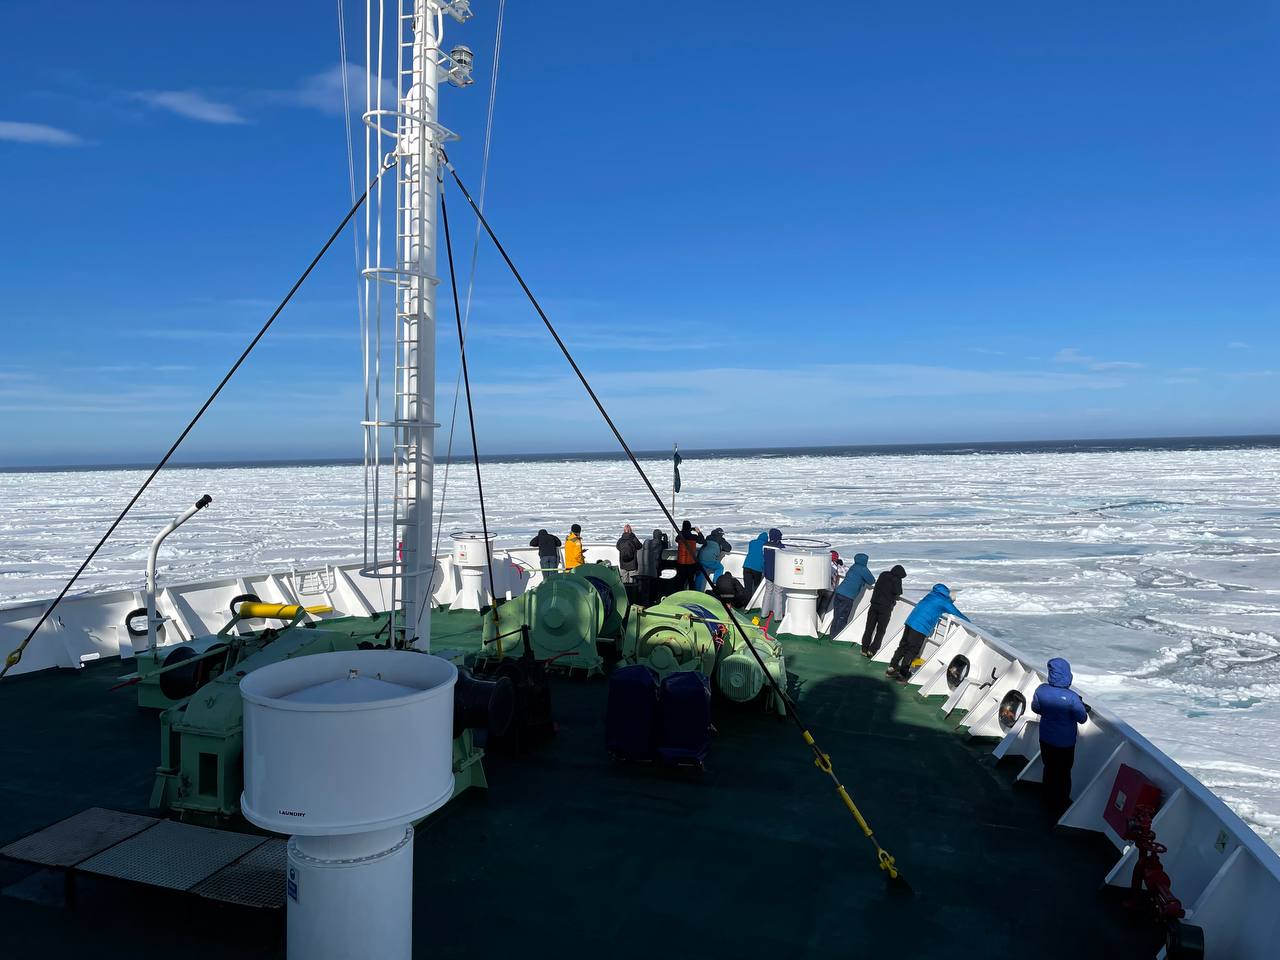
[(571, 854)]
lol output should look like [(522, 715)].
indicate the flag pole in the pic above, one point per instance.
[(675, 456)]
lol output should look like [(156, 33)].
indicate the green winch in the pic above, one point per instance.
[(197, 685), (688, 631), (565, 615)]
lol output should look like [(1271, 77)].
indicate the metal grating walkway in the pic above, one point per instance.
[(255, 880), (172, 855), (72, 841), (235, 868)]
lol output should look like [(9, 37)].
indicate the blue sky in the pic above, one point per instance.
[(757, 225)]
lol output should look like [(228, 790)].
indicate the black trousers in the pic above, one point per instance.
[(909, 648), (1057, 775), (842, 607), (877, 624), (549, 563), (686, 573), (645, 590), (751, 580)]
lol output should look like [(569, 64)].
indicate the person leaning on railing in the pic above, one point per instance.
[(924, 618)]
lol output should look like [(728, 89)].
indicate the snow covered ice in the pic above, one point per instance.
[(1157, 573)]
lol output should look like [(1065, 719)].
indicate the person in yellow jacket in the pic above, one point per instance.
[(574, 556)]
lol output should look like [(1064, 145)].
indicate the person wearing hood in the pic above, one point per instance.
[(649, 567), (548, 551), (726, 547), (753, 563), (709, 562), (688, 543), (1061, 712), (628, 550), (771, 548), (850, 592), (574, 554), (887, 590), (924, 618)]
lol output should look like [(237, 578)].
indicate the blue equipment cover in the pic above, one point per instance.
[(631, 713), (684, 719)]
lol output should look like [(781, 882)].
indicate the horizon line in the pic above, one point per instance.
[(902, 447)]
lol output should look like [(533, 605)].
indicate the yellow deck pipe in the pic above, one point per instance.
[(250, 610)]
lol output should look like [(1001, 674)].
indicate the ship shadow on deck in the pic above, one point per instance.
[(572, 854)]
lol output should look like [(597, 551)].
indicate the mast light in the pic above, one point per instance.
[(462, 59)]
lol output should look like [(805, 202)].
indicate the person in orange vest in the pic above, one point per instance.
[(574, 555), (687, 544)]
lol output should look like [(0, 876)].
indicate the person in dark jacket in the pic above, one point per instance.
[(628, 551), (688, 542), (548, 551), (887, 590), (774, 542), (753, 563), (1061, 712), (924, 618), (728, 589), (849, 594), (649, 567)]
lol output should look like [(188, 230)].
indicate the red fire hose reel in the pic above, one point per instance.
[(1131, 807)]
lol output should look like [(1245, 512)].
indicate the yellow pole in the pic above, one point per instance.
[(251, 610)]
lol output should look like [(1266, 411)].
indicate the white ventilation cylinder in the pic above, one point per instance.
[(801, 570), (470, 560), (344, 751)]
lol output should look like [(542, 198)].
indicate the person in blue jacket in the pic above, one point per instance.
[(924, 618), (708, 560), (753, 563), (856, 580), (1061, 712)]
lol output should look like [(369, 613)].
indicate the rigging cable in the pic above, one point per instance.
[(16, 655), (471, 279), (820, 758), (471, 415)]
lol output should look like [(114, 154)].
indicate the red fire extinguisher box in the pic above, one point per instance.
[(1130, 791)]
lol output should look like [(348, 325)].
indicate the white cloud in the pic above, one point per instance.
[(1073, 355), (193, 105), (661, 341), (706, 391), (1237, 345), (323, 91), (18, 132)]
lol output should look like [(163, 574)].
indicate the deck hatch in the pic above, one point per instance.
[(173, 855), (76, 839)]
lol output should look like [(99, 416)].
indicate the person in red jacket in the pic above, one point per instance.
[(688, 541)]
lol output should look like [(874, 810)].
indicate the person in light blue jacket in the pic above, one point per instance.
[(708, 560), (1061, 712), (924, 618), (849, 594), (753, 563)]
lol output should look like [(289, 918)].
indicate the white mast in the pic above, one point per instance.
[(400, 547)]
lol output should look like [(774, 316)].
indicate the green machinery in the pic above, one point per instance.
[(566, 614), (197, 685), (689, 631)]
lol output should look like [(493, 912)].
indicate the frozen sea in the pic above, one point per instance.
[(1155, 571)]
